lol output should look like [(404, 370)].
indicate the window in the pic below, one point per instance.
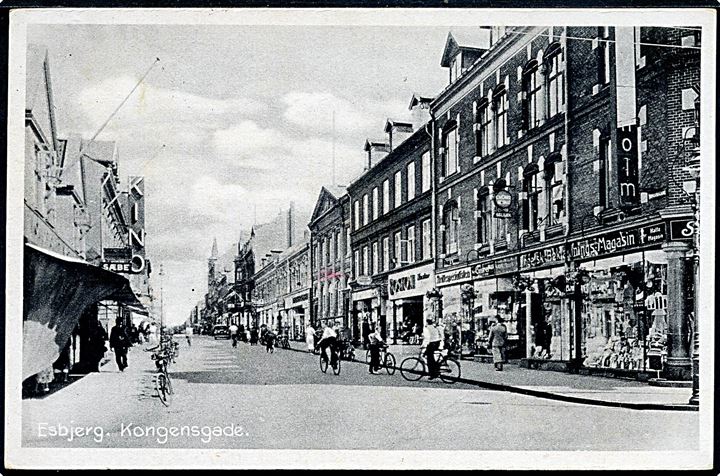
[(375, 258), (500, 107), (450, 226), (456, 67), (425, 185), (365, 261), (386, 196), (398, 249), (485, 134), (385, 265), (356, 217), (532, 191), (338, 245), (375, 204), (603, 171), (398, 188), (366, 210), (483, 216), (411, 180), (604, 55), (356, 263), (554, 189), (450, 142), (347, 241), (531, 91), (411, 244), (555, 80), (426, 239)]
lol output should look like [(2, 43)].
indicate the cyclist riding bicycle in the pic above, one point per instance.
[(269, 341), (329, 340)]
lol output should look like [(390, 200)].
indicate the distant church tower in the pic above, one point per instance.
[(211, 263)]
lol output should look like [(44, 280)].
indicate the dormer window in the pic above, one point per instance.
[(456, 67)]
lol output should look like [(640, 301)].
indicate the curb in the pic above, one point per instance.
[(561, 397)]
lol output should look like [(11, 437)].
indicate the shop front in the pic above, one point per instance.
[(369, 306), (622, 285), (408, 303), (297, 309), (454, 309)]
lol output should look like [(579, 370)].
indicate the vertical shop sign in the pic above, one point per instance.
[(627, 158)]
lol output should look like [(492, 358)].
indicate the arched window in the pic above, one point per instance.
[(531, 85), (450, 228), (500, 109), (553, 61)]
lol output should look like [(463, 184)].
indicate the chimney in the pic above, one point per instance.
[(397, 132), (376, 151), (290, 224), (419, 110)]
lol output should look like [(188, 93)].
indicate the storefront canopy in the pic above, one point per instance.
[(57, 290)]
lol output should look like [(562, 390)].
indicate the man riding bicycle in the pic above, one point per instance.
[(431, 344), (329, 339)]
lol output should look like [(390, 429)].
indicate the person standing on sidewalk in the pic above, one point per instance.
[(498, 338), (365, 333), (120, 342), (376, 343), (431, 343), (310, 337)]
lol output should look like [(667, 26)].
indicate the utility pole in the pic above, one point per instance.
[(333, 148), (161, 274)]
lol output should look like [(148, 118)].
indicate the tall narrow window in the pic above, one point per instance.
[(486, 133), (531, 84), (483, 216), (555, 79), (398, 188), (603, 171), (338, 245), (386, 196), (426, 239), (604, 55), (375, 204), (500, 108), (375, 258), (356, 263), (532, 190), (455, 67), (411, 180), (385, 265), (554, 189), (450, 141), (356, 217), (347, 242), (365, 261), (366, 210), (451, 218), (425, 186), (411, 244), (397, 243)]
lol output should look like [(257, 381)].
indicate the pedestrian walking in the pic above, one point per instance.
[(366, 333), (376, 344), (310, 338), (234, 334), (120, 342), (431, 343), (188, 334), (96, 345), (498, 339)]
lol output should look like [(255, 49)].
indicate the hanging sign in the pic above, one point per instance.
[(627, 162)]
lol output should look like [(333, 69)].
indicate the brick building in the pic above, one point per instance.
[(559, 159)]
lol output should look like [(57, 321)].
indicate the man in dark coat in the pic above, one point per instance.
[(366, 333), (498, 337), (120, 342)]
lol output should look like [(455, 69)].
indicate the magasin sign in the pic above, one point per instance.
[(617, 241)]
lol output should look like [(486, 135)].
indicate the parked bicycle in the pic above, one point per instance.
[(163, 384), (415, 367), (284, 342), (347, 350), (387, 359)]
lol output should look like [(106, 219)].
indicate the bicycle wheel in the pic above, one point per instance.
[(336, 369), (323, 363), (367, 357), (389, 363), (412, 369), (449, 371), (161, 385)]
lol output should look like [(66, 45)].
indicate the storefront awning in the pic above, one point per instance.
[(57, 290)]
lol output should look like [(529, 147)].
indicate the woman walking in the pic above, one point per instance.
[(310, 338)]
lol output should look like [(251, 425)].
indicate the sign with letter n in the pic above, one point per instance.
[(627, 163)]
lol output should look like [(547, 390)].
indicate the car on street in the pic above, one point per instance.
[(221, 332)]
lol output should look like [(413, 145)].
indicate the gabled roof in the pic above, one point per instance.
[(400, 125), (326, 199), (456, 41), (417, 99), (380, 144)]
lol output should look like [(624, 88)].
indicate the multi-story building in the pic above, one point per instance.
[(293, 271), (558, 156), (391, 229), (330, 256)]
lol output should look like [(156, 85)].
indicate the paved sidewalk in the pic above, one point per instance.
[(563, 385)]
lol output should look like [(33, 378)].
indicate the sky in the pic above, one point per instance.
[(233, 122)]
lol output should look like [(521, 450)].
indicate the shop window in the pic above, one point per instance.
[(554, 201), (603, 55), (500, 109), (603, 172), (450, 144), (555, 95), (451, 219), (483, 131), (531, 86), (483, 216)]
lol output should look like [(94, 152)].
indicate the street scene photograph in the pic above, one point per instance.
[(274, 238)]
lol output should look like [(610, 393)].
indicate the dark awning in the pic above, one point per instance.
[(57, 290)]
